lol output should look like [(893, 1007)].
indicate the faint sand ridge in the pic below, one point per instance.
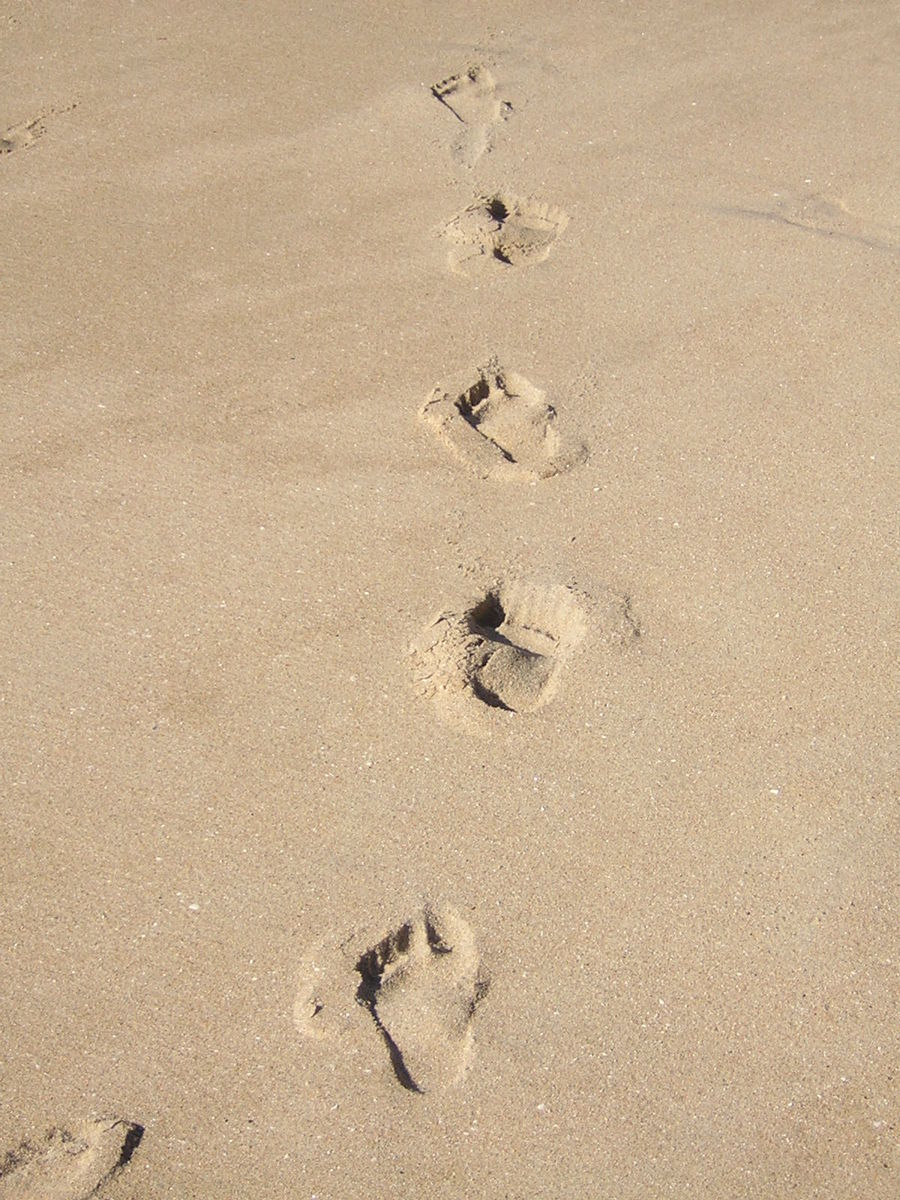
[(823, 215)]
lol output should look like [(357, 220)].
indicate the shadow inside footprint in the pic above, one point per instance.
[(371, 971), (421, 985), (505, 230), (518, 659), (69, 1165), (473, 100), (506, 651)]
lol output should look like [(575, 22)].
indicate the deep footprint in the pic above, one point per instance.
[(505, 652), (69, 1165), (504, 231), (502, 427), (473, 100), (422, 984)]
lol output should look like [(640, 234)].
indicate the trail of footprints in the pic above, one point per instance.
[(417, 987), (500, 657)]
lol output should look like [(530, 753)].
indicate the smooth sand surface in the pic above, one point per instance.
[(601, 901)]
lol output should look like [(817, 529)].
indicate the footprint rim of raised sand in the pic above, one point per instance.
[(534, 629), (485, 231)]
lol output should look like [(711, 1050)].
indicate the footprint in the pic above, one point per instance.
[(473, 100), (503, 231), (506, 650), (502, 427), (69, 1165), (25, 134), (420, 983), (20, 137), (816, 213)]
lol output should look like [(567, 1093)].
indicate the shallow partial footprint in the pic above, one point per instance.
[(502, 427), (472, 99), (506, 651), (420, 983), (21, 136), (69, 1164), (26, 133), (502, 231)]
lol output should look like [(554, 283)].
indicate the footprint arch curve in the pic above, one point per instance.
[(420, 983)]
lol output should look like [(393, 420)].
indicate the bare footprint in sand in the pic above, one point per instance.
[(472, 98), (421, 984), (69, 1165), (502, 427), (502, 231), (21, 136), (828, 217), (505, 651), (26, 133)]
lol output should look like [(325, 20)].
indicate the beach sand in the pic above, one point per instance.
[(449, 595)]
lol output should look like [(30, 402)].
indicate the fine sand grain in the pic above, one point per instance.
[(449, 600)]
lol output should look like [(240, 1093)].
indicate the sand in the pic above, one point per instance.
[(495, 799)]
